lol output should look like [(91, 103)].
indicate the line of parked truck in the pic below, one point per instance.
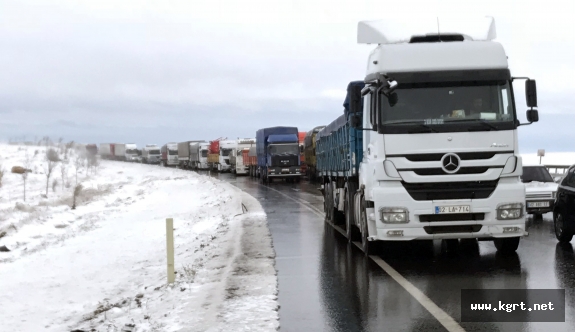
[(426, 147), (275, 153)]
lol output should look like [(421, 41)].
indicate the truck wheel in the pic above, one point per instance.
[(368, 247), (328, 202), (350, 228), (449, 246), (562, 234), (507, 245)]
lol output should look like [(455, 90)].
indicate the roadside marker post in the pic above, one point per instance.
[(170, 249)]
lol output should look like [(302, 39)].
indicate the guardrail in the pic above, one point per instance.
[(557, 170)]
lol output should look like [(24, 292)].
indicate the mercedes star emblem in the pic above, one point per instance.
[(450, 163)]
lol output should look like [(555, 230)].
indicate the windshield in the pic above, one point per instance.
[(449, 107), (132, 151), (154, 152), (204, 153), (539, 174), (225, 152), (172, 152), (276, 149)]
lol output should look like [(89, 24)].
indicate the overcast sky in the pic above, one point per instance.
[(159, 71)]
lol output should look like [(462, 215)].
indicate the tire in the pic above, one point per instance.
[(352, 233), (562, 234), (449, 246), (327, 202), (366, 246), (507, 245)]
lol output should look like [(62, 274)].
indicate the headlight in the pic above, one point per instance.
[(509, 211), (393, 215)]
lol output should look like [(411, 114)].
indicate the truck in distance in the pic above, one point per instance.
[(278, 154), (226, 147), (214, 154), (126, 152), (108, 151), (184, 153), (151, 154), (237, 160), (427, 145), (303, 165), (251, 161), (309, 153), (169, 153)]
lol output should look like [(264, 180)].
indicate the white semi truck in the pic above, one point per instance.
[(169, 153), (427, 147), (127, 152), (226, 147), (151, 154), (237, 160)]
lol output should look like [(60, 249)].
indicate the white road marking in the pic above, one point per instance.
[(449, 323), (442, 317)]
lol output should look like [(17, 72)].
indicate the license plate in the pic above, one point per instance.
[(452, 209), (538, 204)]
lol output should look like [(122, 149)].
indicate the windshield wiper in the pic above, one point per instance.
[(424, 128), (483, 122)]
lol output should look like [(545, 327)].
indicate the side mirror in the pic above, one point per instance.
[(355, 102), (531, 93), (532, 116)]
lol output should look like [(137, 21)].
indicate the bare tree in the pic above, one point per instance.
[(77, 191), (79, 161), (2, 172), (25, 173), (52, 159), (64, 171)]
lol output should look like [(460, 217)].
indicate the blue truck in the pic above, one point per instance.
[(278, 154), (339, 152)]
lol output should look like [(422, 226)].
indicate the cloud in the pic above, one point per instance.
[(169, 70)]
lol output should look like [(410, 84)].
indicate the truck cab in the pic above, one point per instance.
[(226, 147), (203, 156), (169, 154), (131, 153), (151, 154), (239, 162)]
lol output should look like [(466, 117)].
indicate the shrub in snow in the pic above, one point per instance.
[(52, 159), (77, 191), (2, 171)]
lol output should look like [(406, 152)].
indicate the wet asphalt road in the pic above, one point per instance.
[(327, 285)]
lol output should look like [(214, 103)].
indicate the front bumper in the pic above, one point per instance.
[(540, 209), (393, 194), (284, 172)]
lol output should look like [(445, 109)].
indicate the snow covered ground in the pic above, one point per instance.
[(102, 266), (551, 158)]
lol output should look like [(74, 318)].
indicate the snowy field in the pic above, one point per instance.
[(102, 266)]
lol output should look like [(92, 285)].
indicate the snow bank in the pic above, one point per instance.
[(551, 158), (103, 266)]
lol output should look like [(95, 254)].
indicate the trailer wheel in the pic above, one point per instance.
[(328, 201)]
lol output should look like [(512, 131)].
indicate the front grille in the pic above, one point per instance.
[(451, 217), (450, 190), (452, 229), (438, 156), (439, 171)]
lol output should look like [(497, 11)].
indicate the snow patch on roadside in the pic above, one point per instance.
[(103, 266)]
